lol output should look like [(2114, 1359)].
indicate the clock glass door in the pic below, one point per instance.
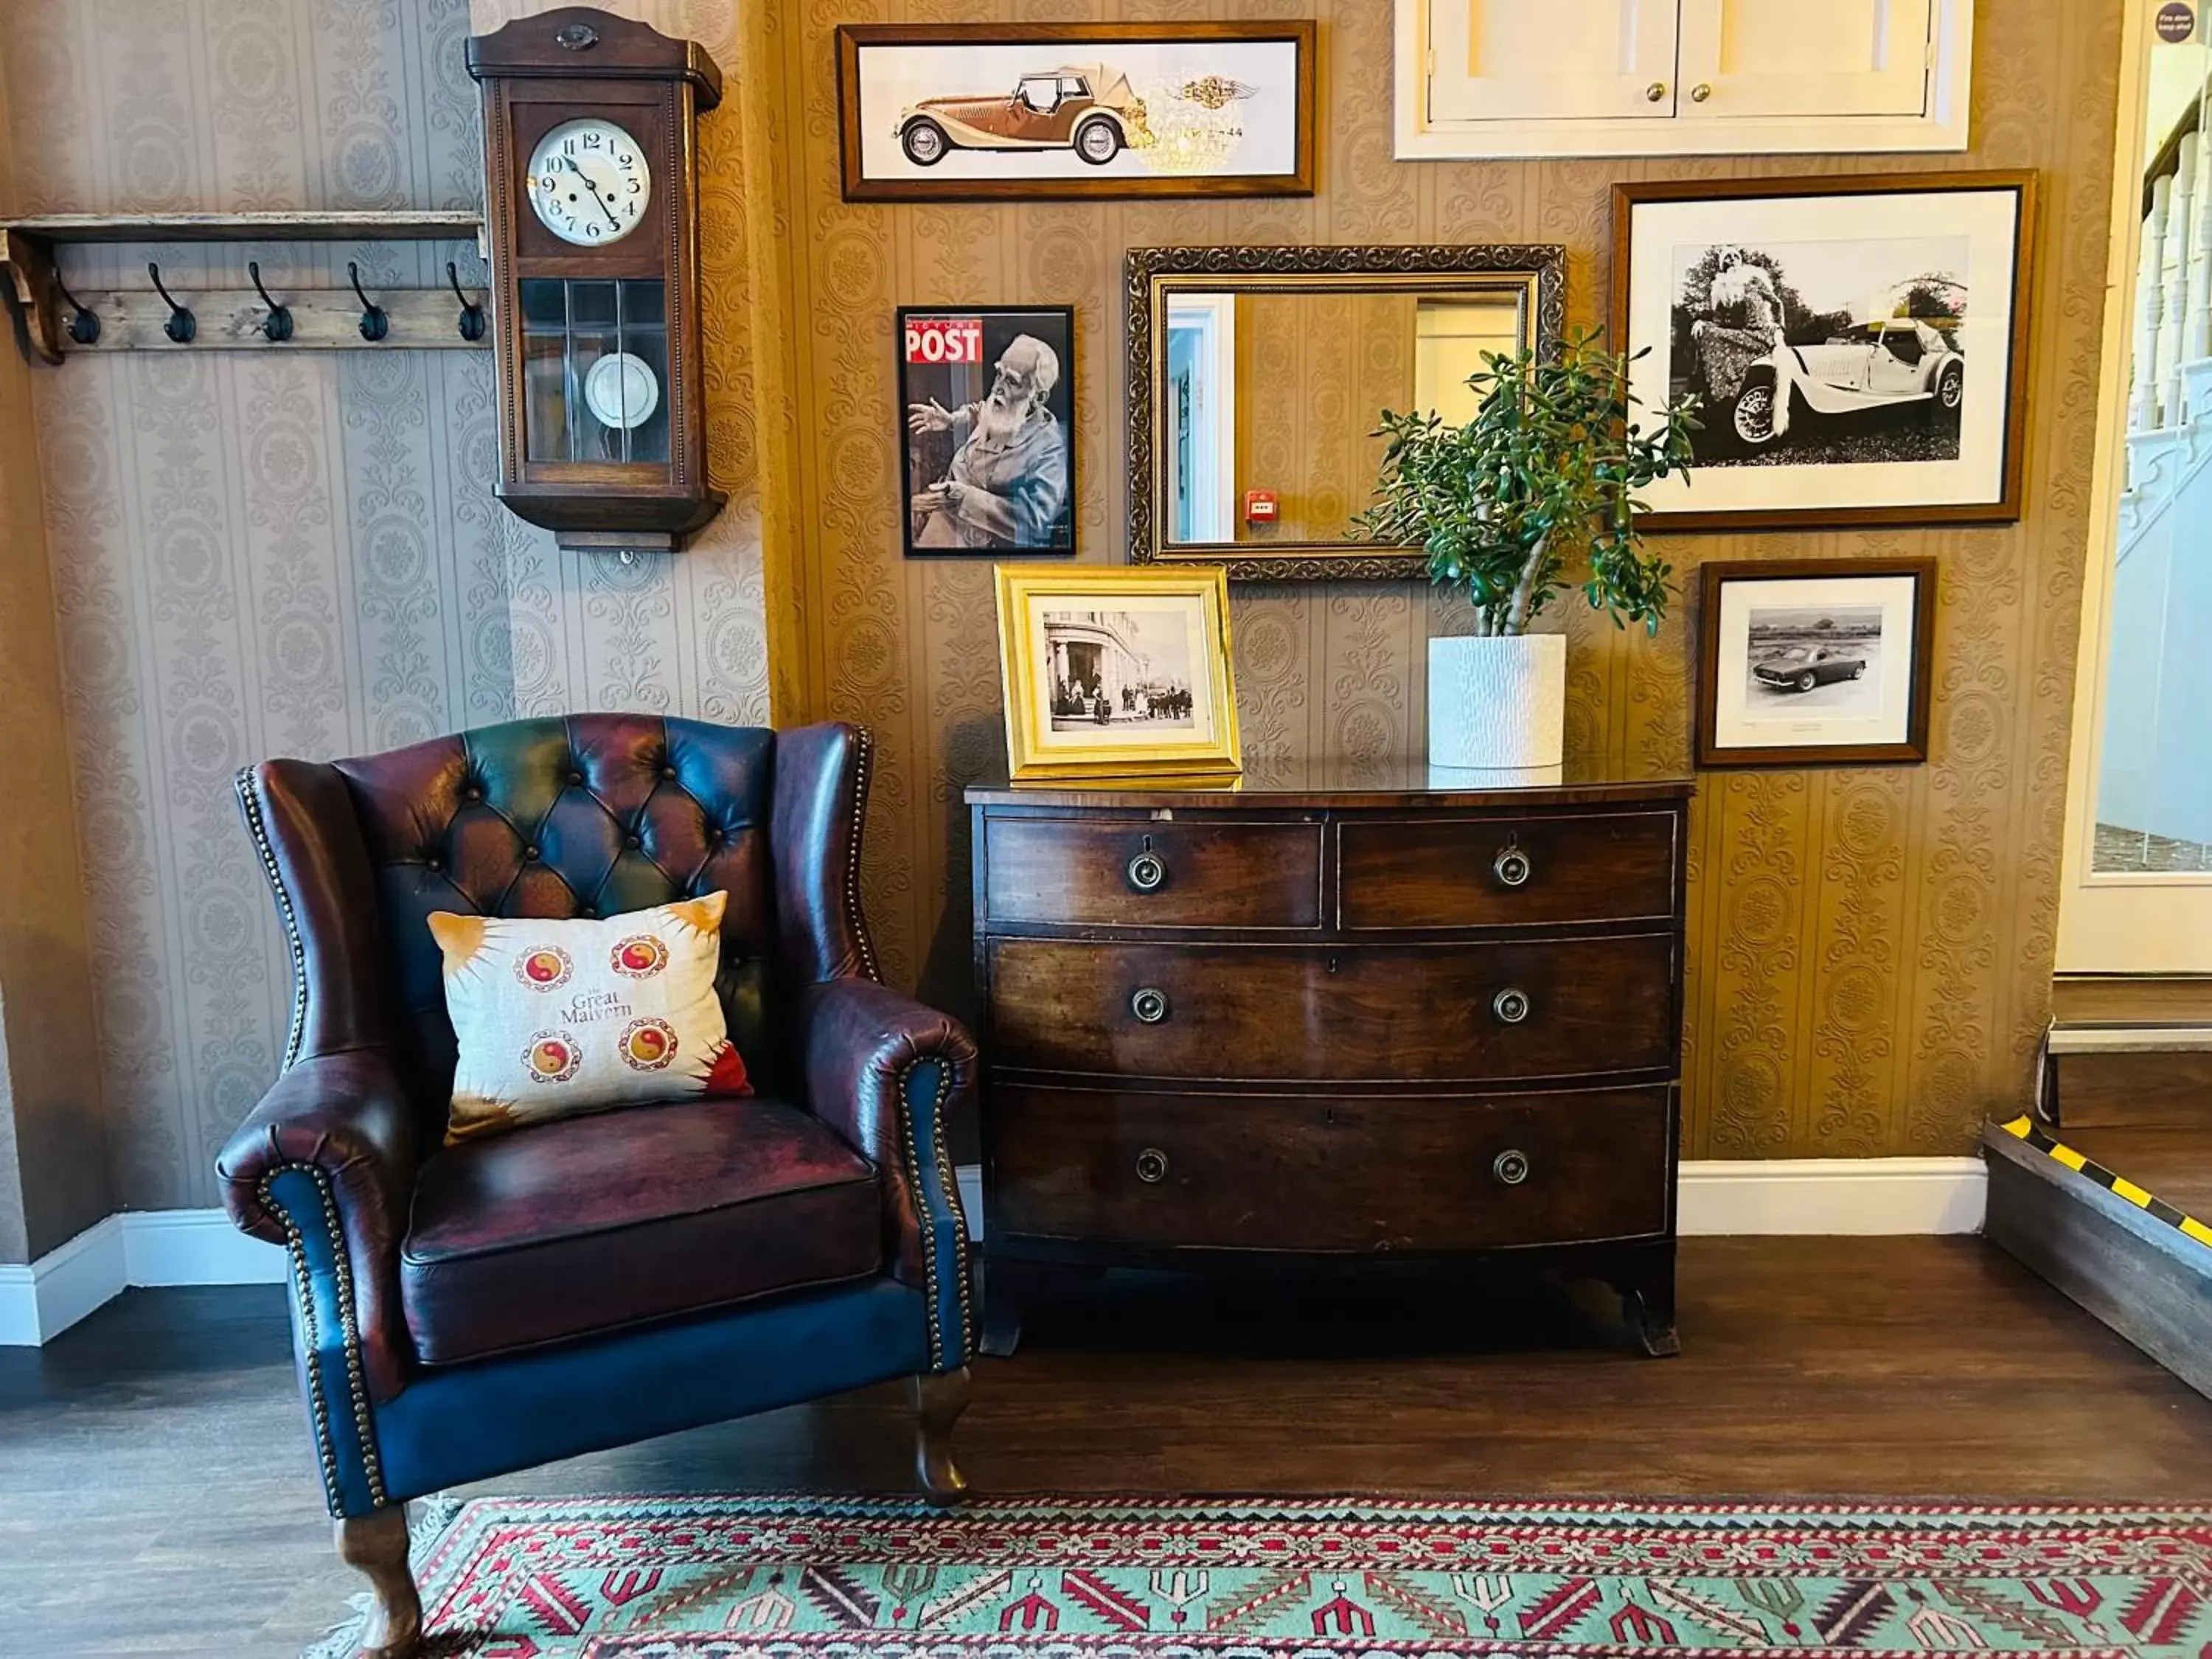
[(595, 369)]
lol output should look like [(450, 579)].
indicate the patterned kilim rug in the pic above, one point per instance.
[(1088, 1578)]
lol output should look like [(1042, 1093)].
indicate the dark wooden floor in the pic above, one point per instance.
[(156, 1494)]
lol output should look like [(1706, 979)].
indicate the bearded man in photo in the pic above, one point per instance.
[(1008, 484)]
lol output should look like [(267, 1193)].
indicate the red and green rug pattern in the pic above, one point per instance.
[(695, 1577)]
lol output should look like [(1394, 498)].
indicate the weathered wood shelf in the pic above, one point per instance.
[(129, 321)]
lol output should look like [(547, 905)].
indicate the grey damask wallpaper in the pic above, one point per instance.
[(259, 554)]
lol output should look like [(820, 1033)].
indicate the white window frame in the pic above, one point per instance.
[(1943, 127), (1213, 481)]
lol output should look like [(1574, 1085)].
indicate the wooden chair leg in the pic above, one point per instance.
[(376, 1545), (940, 1397)]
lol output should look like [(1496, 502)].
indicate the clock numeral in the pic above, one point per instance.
[(567, 147), (636, 187), (592, 140)]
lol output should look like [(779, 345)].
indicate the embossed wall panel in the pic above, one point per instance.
[(1870, 950)]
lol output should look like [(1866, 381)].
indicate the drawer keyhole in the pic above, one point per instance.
[(1149, 1004), (1511, 866), (1511, 1005), (1510, 1167), (1148, 872), (1152, 1166)]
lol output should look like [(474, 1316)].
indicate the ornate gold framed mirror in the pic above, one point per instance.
[(1256, 376)]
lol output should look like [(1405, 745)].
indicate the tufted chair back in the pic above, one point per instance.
[(589, 815)]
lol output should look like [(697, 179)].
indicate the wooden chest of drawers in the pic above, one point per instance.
[(1292, 1025)]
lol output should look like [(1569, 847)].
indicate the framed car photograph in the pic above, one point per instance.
[(987, 429), (1812, 662), (978, 112), (1116, 673), (1858, 345)]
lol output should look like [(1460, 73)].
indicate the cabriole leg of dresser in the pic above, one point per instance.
[(1645, 1276), (1011, 1286)]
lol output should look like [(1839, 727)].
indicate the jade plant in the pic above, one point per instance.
[(1538, 487)]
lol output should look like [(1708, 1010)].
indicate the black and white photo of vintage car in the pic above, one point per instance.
[(1857, 344), (1819, 660), (1824, 353)]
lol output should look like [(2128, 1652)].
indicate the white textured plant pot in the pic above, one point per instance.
[(1498, 702)]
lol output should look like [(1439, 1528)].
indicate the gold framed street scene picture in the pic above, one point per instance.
[(1116, 673)]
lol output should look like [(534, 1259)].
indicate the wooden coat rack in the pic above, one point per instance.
[(51, 322)]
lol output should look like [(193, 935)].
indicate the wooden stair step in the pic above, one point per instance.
[(2128, 1265)]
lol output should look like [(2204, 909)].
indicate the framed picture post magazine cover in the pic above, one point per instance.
[(987, 429), (1859, 344), (1811, 662), (981, 112), (1114, 672)]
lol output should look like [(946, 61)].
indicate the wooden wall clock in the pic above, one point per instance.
[(591, 206)]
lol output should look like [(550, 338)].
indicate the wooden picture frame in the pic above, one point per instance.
[(1116, 673), (946, 356), (1062, 166), (1887, 442), (1815, 624)]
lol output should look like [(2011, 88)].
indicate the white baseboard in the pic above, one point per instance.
[(1832, 1196), (1824, 1196), (138, 1247)]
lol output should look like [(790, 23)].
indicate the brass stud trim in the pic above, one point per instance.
[(311, 1330), (948, 1184), (250, 803), (855, 917)]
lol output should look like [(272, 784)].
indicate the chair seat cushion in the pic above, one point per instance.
[(588, 1223)]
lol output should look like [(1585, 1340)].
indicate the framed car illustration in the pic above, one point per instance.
[(993, 110), (1809, 662), (1858, 345)]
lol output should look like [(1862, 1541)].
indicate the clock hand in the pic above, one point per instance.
[(594, 189)]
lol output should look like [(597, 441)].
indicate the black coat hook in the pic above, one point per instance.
[(182, 324), (374, 324), (471, 322), (83, 324), (277, 325)]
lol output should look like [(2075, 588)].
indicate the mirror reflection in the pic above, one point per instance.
[(1269, 398)]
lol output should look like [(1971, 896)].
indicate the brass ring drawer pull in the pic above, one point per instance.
[(1510, 1167), (1511, 868), (1511, 1005), (1149, 1004), (1148, 872), (1152, 1166)]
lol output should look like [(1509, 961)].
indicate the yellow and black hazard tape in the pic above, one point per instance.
[(2119, 1186)]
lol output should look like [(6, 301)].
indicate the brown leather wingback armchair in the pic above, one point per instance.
[(460, 1312)]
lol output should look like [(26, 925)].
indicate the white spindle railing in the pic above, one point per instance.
[(2173, 315), (2150, 303)]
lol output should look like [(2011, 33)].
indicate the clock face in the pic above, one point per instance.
[(621, 391), (589, 182)]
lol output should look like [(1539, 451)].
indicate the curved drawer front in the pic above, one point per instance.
[(1142, 872), (1351, 1174), (1407, 1013), (1505, 872)]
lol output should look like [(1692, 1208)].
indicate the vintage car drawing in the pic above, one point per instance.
[(1088, 108), (1894, 360), (1802, 667)]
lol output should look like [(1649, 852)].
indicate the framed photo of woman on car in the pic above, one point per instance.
[(1858, 346)]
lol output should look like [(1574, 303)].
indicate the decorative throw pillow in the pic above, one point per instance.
[(555, 1018)]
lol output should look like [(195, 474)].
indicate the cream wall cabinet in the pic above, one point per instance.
[(1680, 77)]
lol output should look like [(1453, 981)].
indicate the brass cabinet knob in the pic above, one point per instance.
[(1149, 1004), (1511, 1005), (1656, 91), (1148, 872), (1699, 93), (1511, 868), (1152, 1166), (1510, 1167)]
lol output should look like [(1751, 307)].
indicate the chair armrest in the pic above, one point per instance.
[(339, 1125), (886, 1072)]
